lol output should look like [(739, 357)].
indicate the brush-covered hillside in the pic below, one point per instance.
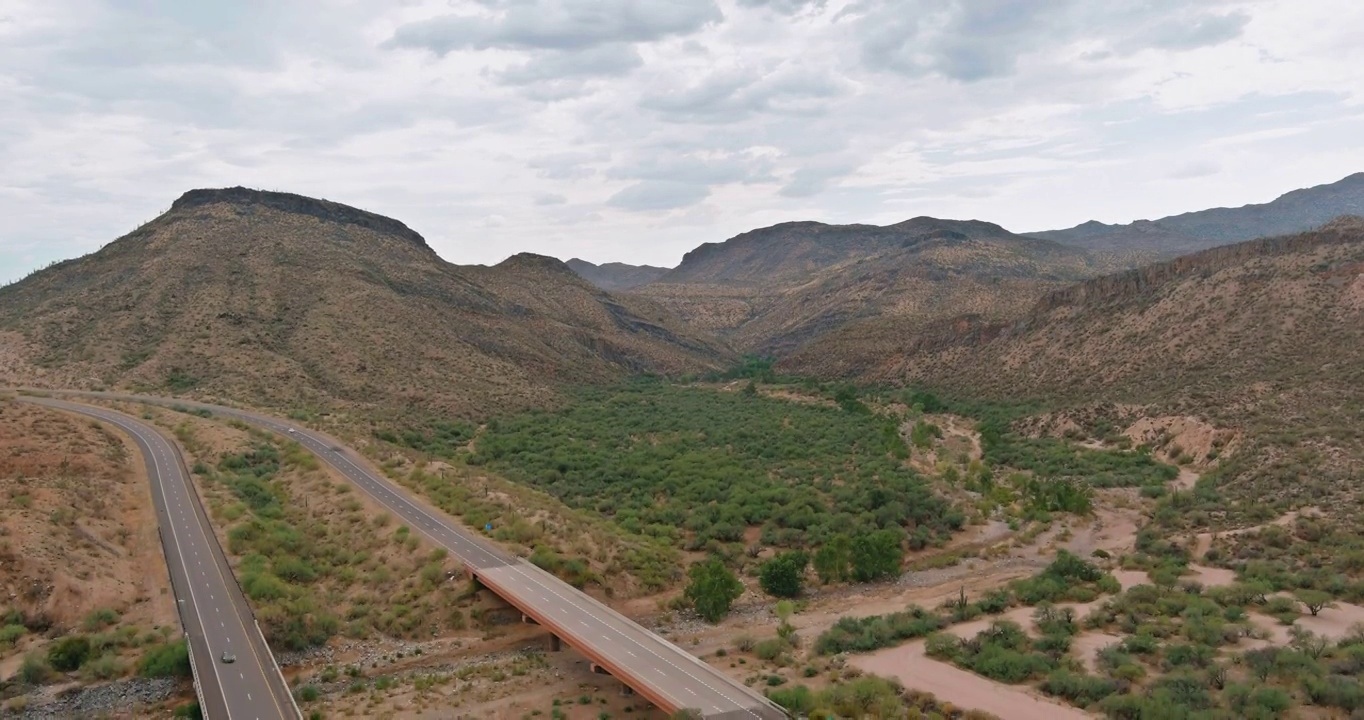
[(773, 289), (284, 301), (1263, 339)]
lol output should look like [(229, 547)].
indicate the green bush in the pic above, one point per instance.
[(713, 589), (100, 619), (10, 634), (69, 653), (308, 693), (34, 670), (166, 660), (784, 575), (798, 700), (1080, 690), (865, 634)]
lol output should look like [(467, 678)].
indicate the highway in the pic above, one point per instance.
[(213, 611), (668, 676)]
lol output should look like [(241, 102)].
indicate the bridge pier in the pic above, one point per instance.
[(599, 669), (554, 643), (626, 690), (528, 619)]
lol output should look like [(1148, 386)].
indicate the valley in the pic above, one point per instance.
[(933, 467)]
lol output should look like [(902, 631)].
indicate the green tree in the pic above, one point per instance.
[(832, 559), (877, 555), (69, 653), (1315, 600), (713, 588), (784, 575)]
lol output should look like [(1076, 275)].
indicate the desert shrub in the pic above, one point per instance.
[(1078, 689), (10, 634), (1003, 652), (165, 660), (1068, 577), (100, 619), (798, 700), (34, 669), (877, 631), (771, 649), (69, 653)]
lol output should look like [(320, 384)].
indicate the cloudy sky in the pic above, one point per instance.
[(634, 130)]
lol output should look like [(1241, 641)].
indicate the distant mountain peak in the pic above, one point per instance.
[(530, 260), (615, 275), (298, 204)]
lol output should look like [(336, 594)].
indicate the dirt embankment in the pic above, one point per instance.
[(77, 528)]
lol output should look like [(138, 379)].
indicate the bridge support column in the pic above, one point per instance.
[(599, 669), (528, 619), (554, 644), (626, 690)]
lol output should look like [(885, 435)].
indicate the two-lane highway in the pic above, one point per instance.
[(213, 612), (667, 675)]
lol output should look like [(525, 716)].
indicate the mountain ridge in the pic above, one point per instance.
[(1294, 211), (318, 304)]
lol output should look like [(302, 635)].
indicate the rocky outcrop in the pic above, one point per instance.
[(298, 204)]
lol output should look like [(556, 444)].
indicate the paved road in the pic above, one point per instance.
[(667, 675), (213, 612)]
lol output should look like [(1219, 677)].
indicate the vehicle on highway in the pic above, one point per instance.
[(229, 657), (291, 431)]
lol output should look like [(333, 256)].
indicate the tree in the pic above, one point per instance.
[(876, 555), (713, 588), (784, 575), (69, 653), (1315, 600), (832, 559)]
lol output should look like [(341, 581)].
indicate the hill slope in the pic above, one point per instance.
[(1266, 337), (616, 276), (1297, 211), (281, 300), (773, 289)]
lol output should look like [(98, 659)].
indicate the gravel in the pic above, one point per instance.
[(117, 699)]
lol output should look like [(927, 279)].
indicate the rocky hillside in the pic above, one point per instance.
[(616, 276), (1265, 337), (285, 301), (1293, 212), (774, 289)]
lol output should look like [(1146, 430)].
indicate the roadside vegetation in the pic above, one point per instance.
[(314, 561)]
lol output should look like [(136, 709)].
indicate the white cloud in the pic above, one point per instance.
[(641, 128)]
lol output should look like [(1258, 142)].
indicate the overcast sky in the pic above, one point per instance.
[(634, 130)]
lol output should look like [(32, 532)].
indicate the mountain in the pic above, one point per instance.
[(1297, 211), (614, 275), (1264, 338), (282, 301), (773, 289)]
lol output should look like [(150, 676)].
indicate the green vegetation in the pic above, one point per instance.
[(69, 653), (165, 660), (877, 631), (713, 588), (1066, 578), (868, 696), (784, 575), (312, 575), (696, 467), (442, 438)]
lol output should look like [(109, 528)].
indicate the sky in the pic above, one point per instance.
[(635, 130)]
